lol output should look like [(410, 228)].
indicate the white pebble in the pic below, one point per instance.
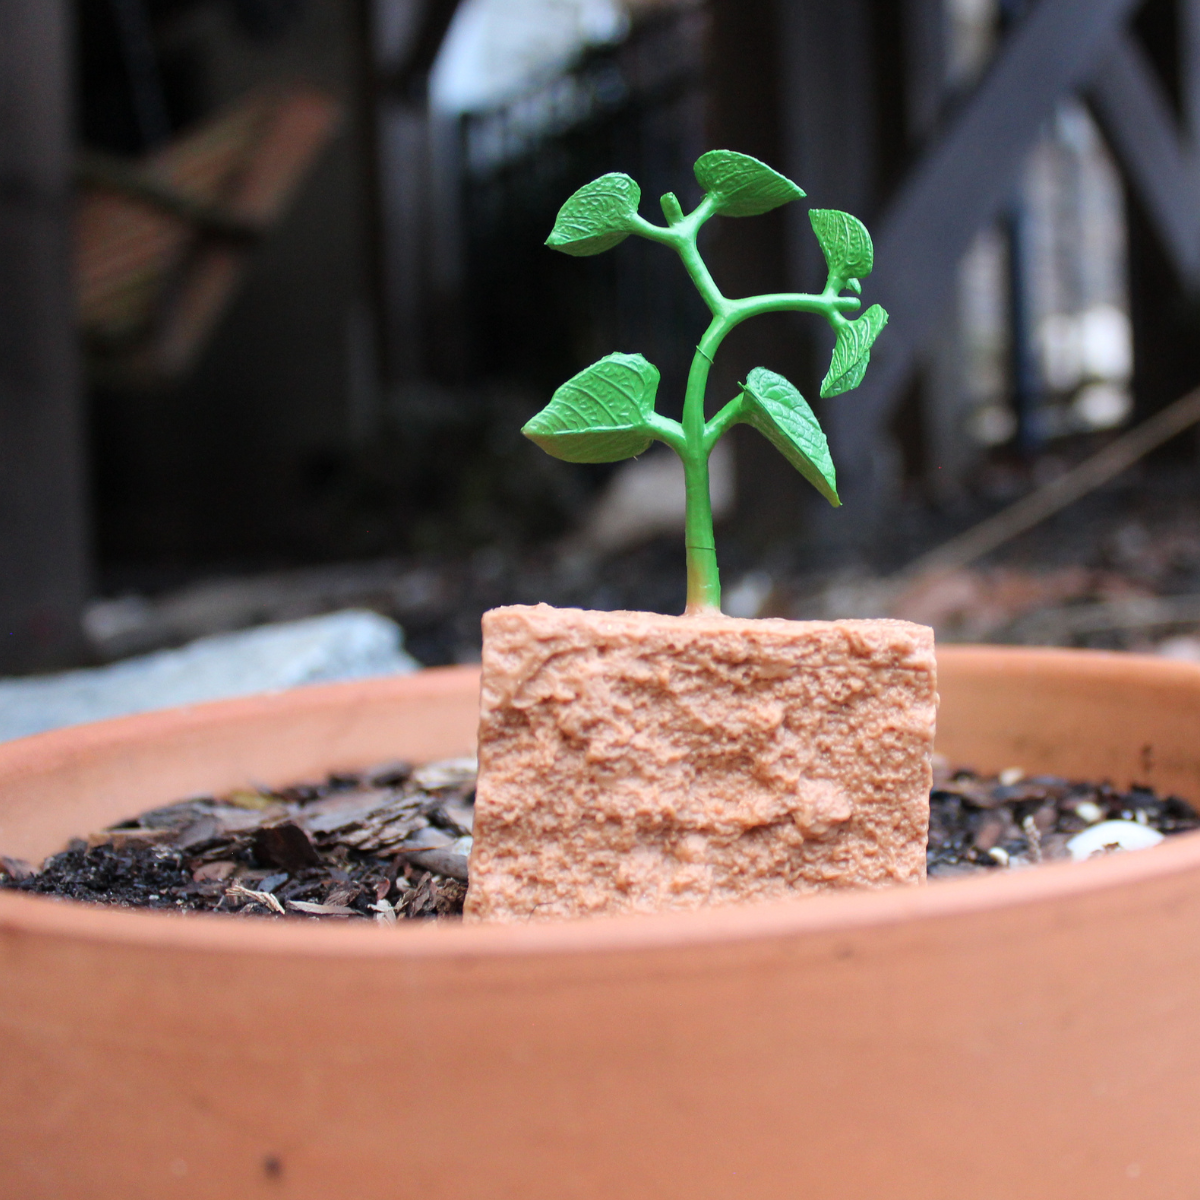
[(1111, 836), (1089, 811), (1011, 776), (999, 854)]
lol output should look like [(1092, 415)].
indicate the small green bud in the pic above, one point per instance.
[(671, 208)]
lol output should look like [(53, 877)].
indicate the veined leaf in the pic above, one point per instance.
[(600, 415), (853, 352), (742, 186), (778, 411), (845, 241), (597, 217)]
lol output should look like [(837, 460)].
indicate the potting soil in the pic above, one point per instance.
[(1010, 821), (386, 844)]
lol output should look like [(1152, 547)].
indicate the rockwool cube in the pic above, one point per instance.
[(632, 762)]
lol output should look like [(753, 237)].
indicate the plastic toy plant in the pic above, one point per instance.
[(606, 412)]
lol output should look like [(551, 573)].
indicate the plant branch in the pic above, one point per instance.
[(828, 305), (669, 432), (700, 275), (681, 236), (694, 439), (721, 423), (666, 236), (691, 224)]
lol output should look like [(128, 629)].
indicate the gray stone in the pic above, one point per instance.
[(345, 645)]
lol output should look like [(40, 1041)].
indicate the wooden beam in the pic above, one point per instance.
[(746, 109), (828, 131), (925, 66), (1157, 141), (1189, 64), (410, 78), (1162, 165), (949, 455), (960, 184), (42, 527)]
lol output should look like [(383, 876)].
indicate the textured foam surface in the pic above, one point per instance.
[(631, 762)]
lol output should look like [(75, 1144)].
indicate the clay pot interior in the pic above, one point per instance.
[(56, 786)]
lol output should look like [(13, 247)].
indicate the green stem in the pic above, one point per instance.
[(828, 304), (703, 577), (696, 440)]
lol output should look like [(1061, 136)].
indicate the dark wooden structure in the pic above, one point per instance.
[(855, 101), (852, 100), (392, 261), (43, 530)]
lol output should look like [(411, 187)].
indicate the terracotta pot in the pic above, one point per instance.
[(1028, 1036)]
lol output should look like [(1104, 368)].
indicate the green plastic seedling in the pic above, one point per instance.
[(606, 412)]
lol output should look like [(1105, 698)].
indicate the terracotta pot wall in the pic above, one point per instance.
[(1025, 1036), (58, 785), (1084, 715)]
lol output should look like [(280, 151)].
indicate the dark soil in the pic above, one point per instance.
[(390, 844), (1005, 822), (387, 845)]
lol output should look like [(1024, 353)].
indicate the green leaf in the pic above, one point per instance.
[(778, 411), (597, 217), (853, 352), (600, 415), (742, 186), (845, 241)]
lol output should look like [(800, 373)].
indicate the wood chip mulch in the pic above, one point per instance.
[(386, 845), (1010, 820)]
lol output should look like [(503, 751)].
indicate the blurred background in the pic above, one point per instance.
[(274, 305)]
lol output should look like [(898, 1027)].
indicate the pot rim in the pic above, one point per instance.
[(803, 915)]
